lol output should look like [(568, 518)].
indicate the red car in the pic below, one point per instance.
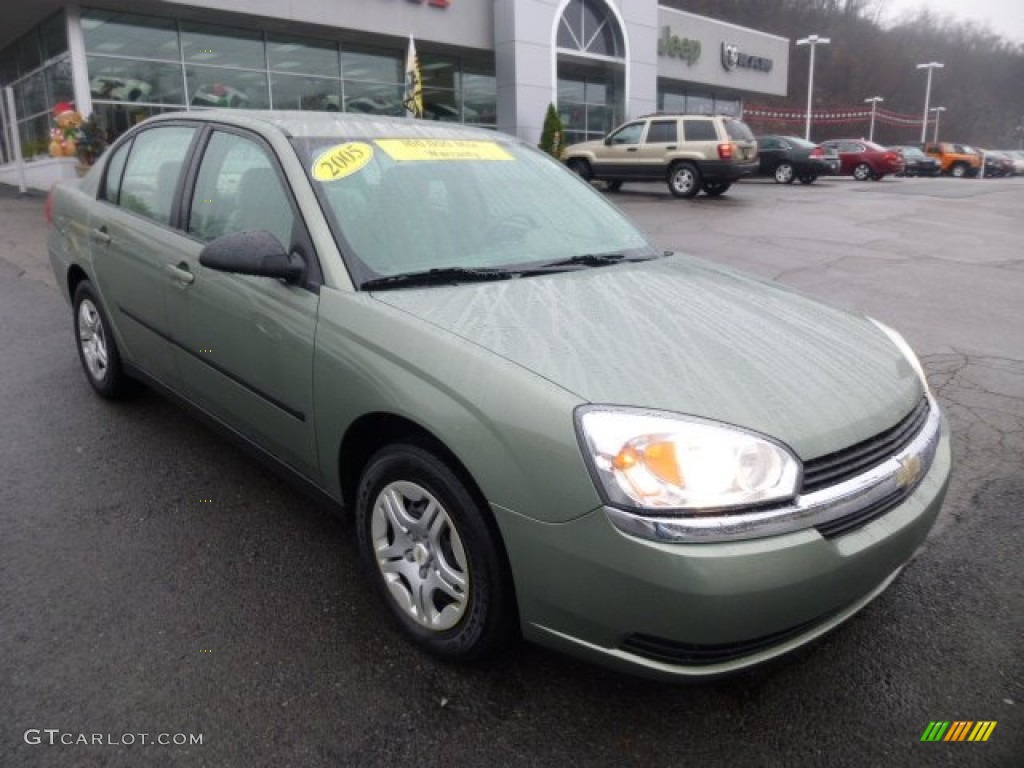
[(864, 159)]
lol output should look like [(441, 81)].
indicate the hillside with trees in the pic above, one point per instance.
[(981, 85)]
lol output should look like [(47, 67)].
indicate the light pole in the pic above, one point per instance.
[(874, 104), (938, 113), (927, 94), (814, 41)]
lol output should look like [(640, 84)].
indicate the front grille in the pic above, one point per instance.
[(847, 463), (692, 654)]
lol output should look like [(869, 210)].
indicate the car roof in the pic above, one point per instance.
[(304, 123)]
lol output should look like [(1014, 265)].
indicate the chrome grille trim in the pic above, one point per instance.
[(879, 488)]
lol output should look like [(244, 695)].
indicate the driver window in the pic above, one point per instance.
[(238, 190), (628, 135)]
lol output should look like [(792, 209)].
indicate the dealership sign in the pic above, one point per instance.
[(676, 47), (732, 58)]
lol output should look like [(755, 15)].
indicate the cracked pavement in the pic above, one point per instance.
[(128, 606)]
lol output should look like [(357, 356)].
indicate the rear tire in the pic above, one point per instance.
[(808, 179), (684, 180), (958, 171), (434, 559), (97, 349)]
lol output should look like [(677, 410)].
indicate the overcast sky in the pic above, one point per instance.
[(1005, 17)]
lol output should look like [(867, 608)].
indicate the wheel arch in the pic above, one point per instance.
[(76, 274)]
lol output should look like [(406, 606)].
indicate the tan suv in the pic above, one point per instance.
[(956, 159), (689, 152)]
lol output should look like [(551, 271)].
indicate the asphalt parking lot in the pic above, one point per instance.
[(155, 580)]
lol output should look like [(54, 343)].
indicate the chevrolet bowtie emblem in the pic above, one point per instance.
[(909, 471)]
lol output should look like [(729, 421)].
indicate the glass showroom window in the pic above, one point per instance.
[(373, 81), (304, 73)]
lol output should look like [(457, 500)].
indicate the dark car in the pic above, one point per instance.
[(917, 162), (864, 159), (788, 158), (997, 164)]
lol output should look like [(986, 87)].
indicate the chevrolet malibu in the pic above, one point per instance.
[(542, 424)]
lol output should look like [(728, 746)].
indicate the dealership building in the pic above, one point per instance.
[(493, 63)]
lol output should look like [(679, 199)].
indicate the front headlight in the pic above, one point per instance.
[(904, 347), (648, 460)]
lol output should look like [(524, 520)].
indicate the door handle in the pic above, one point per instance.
[(100, 235), (180, 272), (671, 146), (631, 149)]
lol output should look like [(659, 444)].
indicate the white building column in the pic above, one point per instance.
[(79, 66)]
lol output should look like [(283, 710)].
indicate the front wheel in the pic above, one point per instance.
[(431, 554), (958, 171), (580, 167), (684, 180), (716, 188), (97, 349), (862, 172), (809, 179), (784, 173)]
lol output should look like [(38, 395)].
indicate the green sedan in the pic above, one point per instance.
[(542, 425)]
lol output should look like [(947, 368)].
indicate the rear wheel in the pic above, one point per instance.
[(716, 188), (959, 170), (784, 173), (580, 167), (684, 180), (862, 172), (427, 546), (97, 349), (809, 179)]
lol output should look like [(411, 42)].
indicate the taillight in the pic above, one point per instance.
[(816, 153), (48, 207), (892, 157), (725, 151)]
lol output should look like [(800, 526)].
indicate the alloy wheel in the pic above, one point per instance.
[(92, 339)]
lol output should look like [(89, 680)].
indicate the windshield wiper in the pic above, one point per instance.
[(586, 260), (438, 276)]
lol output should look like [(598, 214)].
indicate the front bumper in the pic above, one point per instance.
[(707, 609)]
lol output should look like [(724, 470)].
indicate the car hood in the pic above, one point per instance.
[(681, 335)]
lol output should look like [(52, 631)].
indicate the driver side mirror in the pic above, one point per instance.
[(256, 253)]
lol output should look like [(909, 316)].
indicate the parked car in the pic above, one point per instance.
[(1017, 159), (539, 420), (957, 160), (219, 95), (119, 88), (864, 159), (917, 163), (997, 164), (690, 153), (787, 158)]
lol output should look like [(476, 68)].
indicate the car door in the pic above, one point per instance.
[(134, 244), (619, 157), (244, 344), (660, 140), (770, 152)]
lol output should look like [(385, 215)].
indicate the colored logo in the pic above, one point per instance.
[(958, 730)]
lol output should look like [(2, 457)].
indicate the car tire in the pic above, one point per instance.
[(877, 176), (613, 186), (684, 180), (716, 188), (580, 167), (444, 579), (808, 179), (784, 173), (97, 349), (958, 170), (862, 172)]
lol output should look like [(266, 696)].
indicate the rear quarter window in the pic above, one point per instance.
[(700, 130), (738, 131)]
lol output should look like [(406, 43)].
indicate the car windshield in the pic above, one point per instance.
[(402, 206)]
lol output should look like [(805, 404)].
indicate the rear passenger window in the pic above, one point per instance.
[(238, 190), (699, 130), (151, 175), (115, 169), (662, 132)]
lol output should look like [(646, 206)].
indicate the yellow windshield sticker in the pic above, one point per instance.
[(341, 160), (404, 150)]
